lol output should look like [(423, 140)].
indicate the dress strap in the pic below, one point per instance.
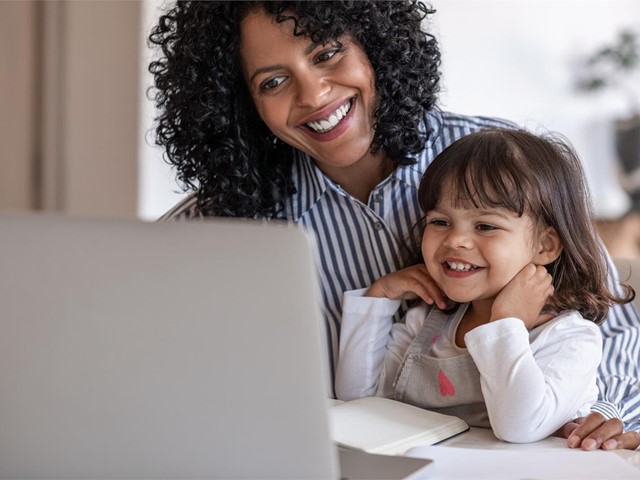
[(433, 326)]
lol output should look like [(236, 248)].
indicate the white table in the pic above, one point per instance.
[(478, 454)]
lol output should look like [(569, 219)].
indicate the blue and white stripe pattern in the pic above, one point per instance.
[(358, 243), (619, 374)]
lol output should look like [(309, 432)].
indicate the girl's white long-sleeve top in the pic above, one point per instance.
[(532, 381)]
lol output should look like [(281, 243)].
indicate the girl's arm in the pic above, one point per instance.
[(364, 333), (371, 346), (531, 389)]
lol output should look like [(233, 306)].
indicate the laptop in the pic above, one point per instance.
[(162, 350)]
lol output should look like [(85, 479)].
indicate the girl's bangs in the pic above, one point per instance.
[(491, 165)]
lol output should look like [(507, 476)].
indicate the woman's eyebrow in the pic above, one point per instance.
[(273, 68), (311, 48), (270, 68)]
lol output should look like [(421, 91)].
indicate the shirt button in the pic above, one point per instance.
[(377, 197), (377, 226)]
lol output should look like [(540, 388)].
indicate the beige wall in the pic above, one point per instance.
[(17, 103), (72, 89)]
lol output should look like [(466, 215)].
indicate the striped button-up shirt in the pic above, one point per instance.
[(357, 243)]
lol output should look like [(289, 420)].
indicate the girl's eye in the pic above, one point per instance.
[(438, 222), (485, 227), (271, 83)]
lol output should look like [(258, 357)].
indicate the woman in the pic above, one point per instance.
[(320, 113)]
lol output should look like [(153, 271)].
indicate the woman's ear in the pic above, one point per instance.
[(549, 247)]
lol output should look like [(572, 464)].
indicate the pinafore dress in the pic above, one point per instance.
[(447, 385)]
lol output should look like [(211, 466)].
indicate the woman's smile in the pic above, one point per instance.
[(318, 98), (329, 123)]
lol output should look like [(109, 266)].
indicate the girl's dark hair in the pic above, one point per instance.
[(539, 175), (209, 127)]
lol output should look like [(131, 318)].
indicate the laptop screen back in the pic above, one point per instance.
[(182, 350)]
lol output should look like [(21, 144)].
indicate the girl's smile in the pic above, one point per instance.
[(473, 253), (457, 268)]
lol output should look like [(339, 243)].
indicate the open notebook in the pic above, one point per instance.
[(146, 350)]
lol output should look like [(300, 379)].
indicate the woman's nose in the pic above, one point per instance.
[(312, 91)]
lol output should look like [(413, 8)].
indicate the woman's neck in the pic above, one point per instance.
[(359, 179)]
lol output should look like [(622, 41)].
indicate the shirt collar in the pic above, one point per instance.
[(311, 183), (412, 174)]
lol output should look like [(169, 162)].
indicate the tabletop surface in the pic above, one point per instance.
[(477, 454)]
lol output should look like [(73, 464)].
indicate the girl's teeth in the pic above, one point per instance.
[(460, 267)]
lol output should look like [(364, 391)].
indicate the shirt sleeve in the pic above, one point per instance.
[(185, 209), (619, 371), (372, 346), (364, 333), (531, 389)]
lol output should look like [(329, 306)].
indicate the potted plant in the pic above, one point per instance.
[(615, 67)]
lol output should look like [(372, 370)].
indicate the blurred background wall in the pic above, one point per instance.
[(522, 59), (75, 122), (69, 103)]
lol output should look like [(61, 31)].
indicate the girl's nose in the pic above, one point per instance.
[(312, 91), (457, 238)]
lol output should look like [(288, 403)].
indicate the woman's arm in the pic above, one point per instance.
[(619, 372), (615, 419), (531, 389)]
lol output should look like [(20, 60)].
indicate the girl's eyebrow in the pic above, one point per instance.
[(495, 212)]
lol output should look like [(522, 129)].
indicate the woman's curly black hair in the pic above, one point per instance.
[(210, 128)]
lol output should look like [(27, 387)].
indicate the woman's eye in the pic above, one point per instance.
[(327, 54), (271, 83)]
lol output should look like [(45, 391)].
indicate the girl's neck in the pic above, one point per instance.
[(478, 313)]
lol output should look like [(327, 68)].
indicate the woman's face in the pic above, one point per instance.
[(317, 98)]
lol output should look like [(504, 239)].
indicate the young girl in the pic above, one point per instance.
[(510, 239)]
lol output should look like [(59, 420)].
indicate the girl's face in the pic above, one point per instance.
[(317, 98), (472, 253)]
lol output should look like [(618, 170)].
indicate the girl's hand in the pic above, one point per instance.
[(407, 284), (525, 296)]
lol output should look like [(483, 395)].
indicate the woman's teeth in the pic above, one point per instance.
[(460, 267), (323, 126)]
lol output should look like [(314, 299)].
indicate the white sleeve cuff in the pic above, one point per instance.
[(354, 302), (494, 331)]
